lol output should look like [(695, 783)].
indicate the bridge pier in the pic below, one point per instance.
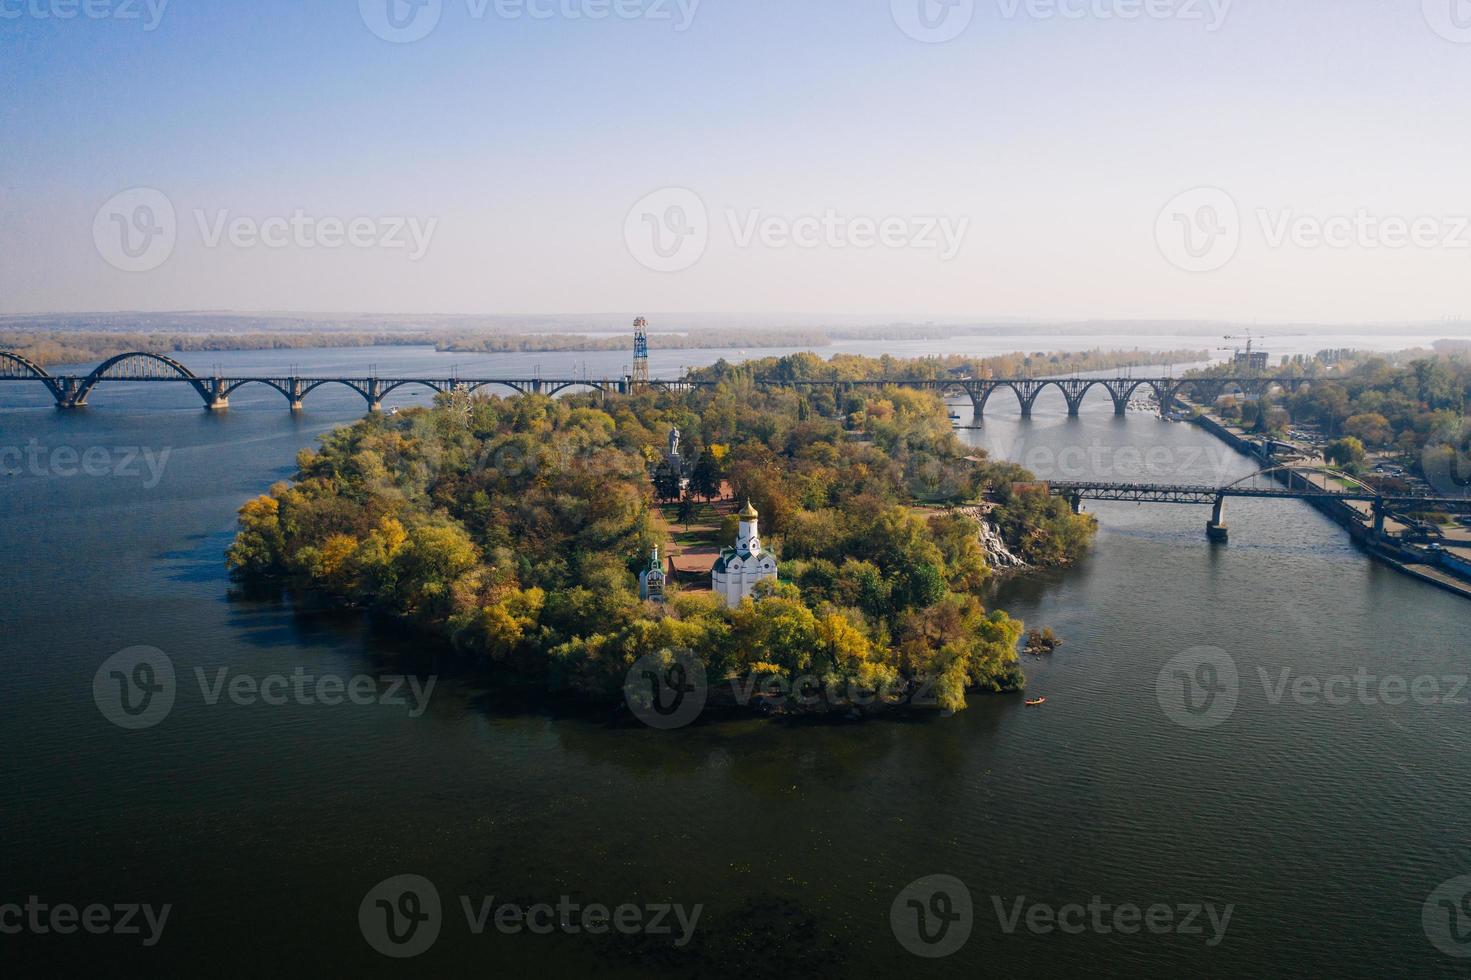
[(70, 395), (1215, 528), (1075, 501), (216, 395)]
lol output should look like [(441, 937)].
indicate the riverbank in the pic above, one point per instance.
[(1406, 559)]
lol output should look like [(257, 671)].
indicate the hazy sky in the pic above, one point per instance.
[(1272, 159)]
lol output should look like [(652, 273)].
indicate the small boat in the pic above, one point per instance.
[(1035, 702)]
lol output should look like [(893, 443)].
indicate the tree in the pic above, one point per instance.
[(1347, 452)]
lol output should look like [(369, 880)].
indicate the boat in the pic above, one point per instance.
[(1035, 702)]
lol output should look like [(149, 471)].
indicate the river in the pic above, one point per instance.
[(1323, 826)]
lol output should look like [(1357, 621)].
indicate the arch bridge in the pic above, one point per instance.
[(72, 391), (1074, 390)]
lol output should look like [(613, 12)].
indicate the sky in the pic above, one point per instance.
[(1088, 159)]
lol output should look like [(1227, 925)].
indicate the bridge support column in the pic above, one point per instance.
[(375, 395), (1379, 513), (216, 395), (295, 385), (1120, 405), (1215, 529), (68, 397), (1075, 501)]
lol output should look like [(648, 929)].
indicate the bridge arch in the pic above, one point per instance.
[(589, 385), (390, 389), (366, 395), (476, 386), (140, 365), (17, 366), (268, 382)]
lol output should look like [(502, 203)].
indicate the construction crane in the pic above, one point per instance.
[(1251, 360)]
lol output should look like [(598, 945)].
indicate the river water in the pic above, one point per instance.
[(1324, 827)]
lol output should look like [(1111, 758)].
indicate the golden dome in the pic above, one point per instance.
[(749, 513)]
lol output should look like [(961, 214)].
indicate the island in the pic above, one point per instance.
[(852, 534)]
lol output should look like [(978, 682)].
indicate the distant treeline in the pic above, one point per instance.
[(85, 348), (852, 367), (698, 340)]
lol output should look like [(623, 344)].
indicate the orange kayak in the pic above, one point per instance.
[(1036, 701)]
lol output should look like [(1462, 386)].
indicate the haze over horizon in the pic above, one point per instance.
[(1001, 161)]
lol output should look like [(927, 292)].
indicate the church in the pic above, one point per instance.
[(738, 569), (651, 580)]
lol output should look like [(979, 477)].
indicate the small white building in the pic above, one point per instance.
[(738, 569), (651, 580)]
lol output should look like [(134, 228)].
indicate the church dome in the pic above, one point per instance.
[(749, 513)]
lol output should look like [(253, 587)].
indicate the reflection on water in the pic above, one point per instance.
[(1326, 826)]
